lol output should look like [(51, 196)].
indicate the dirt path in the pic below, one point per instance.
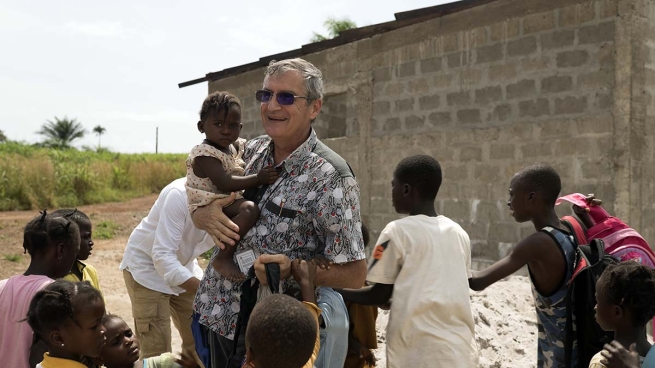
[(504, 313), (107, 253)]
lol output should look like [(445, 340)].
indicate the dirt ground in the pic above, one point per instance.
[(504, 313)]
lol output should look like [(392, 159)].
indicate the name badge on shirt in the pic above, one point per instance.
[(245, 260)]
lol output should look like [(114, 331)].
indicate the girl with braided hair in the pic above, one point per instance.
[(625, 295), (53, 244), (67, 316), (215, 169)]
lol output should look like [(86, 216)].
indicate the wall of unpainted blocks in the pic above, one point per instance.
[(533, 81)]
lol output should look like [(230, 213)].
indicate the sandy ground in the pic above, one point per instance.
[(504, 313)]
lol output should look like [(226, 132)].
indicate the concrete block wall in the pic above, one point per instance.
[(488, 91)]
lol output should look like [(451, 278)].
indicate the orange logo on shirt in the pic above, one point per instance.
[(377, 253)]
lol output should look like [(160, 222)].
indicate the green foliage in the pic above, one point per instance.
[(3, 137), (61, 133), (334, 27), (12, 257), (105, 230), (35, 178)]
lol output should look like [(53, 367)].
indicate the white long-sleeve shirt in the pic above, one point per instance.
[(162, 250)]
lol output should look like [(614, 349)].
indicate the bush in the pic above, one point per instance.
[(36, 177)]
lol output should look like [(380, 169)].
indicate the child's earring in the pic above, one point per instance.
[(59, 257), (62, 344)]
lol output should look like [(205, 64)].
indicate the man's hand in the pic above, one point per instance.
[(260, 269), (616, 356), (191, 285), (212, 219), (267, 175)]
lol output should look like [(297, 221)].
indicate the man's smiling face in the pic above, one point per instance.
[(287, 122)]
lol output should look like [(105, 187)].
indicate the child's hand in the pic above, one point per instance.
[(616, 356), (322, 262), (303, 271), (267, 175), (186, 361)]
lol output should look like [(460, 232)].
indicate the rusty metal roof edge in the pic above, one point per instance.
[(403, 19)]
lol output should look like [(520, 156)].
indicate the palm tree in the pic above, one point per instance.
[(62, 132), (99, 131), (334, 28)]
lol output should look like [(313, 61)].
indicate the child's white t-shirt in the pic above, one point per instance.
[(428, 259)]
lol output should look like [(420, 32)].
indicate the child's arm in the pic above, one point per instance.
[(370, 295), (524, 252), (210, 167), (304, 273)]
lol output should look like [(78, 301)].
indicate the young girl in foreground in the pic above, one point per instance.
[(625, 296), (67, 317), (215, 169), (122, 349)]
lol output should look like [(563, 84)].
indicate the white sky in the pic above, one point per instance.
[(118, 63)]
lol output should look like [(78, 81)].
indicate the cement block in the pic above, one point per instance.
[(418, 86), (432, 65), (454, 60), (462, 98), (577, 14), (534, 108), (603, 32), (570, 105), (502, 72), (505, 30), (502, 151), (382, 74), (521, 89), (608, 8), (470, 154), (430, 102), (538, 22), (456, 210), (568, 59), (489, 53), (558, 39), (597, 79), (414, 122), (381, 107), (522, 47), (503, 232), (533, 150), (394, 89), (439, 119), (455, 172), (469, 116), (407, 69), (406, 104), (500, 113), (451, 42), (556, 84), (487, 173), (488, 94)]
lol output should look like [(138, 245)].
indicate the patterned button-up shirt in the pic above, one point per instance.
[(313, 208)]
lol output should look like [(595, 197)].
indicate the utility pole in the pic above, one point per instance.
[(157, 140)]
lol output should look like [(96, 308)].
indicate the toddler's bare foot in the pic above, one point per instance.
[(228, 269)]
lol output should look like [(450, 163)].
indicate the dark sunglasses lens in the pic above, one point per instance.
[(285, 98), (263, 96)]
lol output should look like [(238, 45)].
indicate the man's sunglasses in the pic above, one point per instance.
[(282, 98)]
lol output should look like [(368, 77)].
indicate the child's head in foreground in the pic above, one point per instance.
[(67, 317), (52, 241), (84, 223), (416, 181), (532, 191), (281, 333), (220, 119), (625, 296), (122, 347)]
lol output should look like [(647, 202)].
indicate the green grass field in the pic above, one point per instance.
[(35, 178)]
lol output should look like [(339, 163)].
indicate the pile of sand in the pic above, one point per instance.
[(505, 325)]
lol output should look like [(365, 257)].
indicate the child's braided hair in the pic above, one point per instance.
[(58, 302), (631, 285), (46, 229), (218, 101)]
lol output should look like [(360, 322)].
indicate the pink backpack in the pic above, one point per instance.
[(621, 241)]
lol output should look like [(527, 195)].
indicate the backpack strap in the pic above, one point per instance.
[(576, 228)]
